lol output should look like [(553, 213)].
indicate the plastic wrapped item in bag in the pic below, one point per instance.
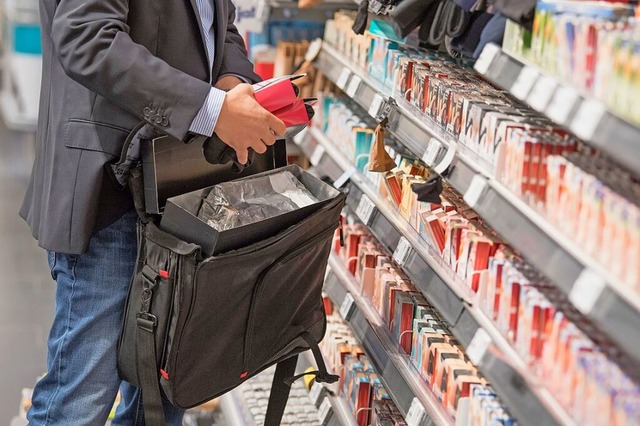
[(234, 204)]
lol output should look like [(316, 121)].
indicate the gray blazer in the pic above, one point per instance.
[(107, 65)]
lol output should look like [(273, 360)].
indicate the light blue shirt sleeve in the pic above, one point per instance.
[(205, 121)]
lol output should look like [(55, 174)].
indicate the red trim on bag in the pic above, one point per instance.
[(245, 374), (164, 374), (163, 274)]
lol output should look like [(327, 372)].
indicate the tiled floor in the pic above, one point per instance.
[(26, 288)]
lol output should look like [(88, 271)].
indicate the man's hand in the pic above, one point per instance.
[(227, 82), (244, 124)]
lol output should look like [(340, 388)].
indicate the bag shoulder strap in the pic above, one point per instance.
[(284, 378), (146, 354), (280, 390)]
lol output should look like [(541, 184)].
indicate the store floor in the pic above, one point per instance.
[(26, 287)]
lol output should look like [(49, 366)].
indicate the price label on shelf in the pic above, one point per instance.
[(416, 413), (344, 77), (328, 272), (444, 164), (365, 209), (344, 178), (542, 92), (588, 118), (587, 290), (376, 105), (300, 137), (317, 155), (402, 251), (315, 393), (477, 187), (486, 58), (324, 411), (525, 81), (354, 85), (478, 346), (562, 104), (346, 309), (431, 154)]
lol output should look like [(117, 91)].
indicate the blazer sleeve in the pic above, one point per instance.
[(91, 40), (235, 59)]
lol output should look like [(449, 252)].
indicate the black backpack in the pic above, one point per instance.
[(197, 326)]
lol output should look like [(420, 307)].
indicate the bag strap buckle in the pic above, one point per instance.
[(147, 321)]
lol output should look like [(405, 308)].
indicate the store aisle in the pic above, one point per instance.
[(26, 304)]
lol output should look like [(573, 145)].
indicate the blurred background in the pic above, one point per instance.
[(26, 304)]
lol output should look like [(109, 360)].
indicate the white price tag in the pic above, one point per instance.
[(462, 414), (416, 413), (344, 77), (401, 253), (542, 92), (430, 155), (344, 178), (328, 272), (448, 159), (347, 306), (317, 155), (588, 118), (354, 85), (477, 187), (562, 104), (374, 109), (525, 81), (486, 58), (587, 290), (300, 137), (324, 410), (365, 209), (316, 391), (478, 346)]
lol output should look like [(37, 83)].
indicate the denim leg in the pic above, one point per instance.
[(82, 379)]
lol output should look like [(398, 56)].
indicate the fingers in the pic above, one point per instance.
[(260, 148), (268, 137), (243, 155), (277, 125)]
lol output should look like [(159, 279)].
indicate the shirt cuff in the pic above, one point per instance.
[(205, 121)]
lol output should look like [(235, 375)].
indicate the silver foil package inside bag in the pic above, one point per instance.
[(233, 204)]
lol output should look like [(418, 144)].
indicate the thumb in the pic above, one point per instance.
[(244, 88)]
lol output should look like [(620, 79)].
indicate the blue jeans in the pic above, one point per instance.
[(82, 380)]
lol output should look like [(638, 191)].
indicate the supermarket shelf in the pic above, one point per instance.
[(592, 289), (588, 118), (399, 377), (342, 415), (451, 297), (233, 410), (287, 9)]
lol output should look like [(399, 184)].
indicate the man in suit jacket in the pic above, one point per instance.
[(178, 65)]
